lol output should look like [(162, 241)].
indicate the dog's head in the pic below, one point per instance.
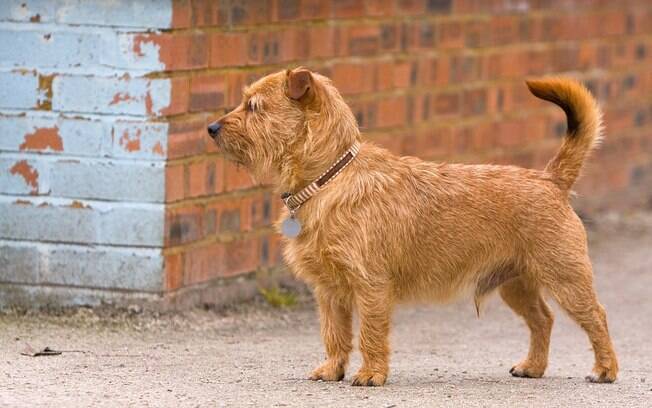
[(285, 118)]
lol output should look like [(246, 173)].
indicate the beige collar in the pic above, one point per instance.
[(294, 201)]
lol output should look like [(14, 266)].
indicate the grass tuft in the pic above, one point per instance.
[(278, 297)]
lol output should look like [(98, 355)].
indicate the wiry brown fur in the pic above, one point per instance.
[(393, 229)]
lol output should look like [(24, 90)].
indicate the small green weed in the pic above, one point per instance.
[(278, 297)]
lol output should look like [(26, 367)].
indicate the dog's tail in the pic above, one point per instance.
[(584, 120)]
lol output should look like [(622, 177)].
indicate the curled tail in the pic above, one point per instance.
[(584, 120)]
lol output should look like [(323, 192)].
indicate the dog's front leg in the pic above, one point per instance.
[(336, 331), (375, 315)]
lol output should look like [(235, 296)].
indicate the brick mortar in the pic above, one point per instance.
[(219, 238)]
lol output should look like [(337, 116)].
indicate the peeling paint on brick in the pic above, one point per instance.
[(130, 143), (45, 92), (158, 149), (28, 173), (22, 202), (146, 40), (121, 97), (79, 205), (42, 139), (148, 102)]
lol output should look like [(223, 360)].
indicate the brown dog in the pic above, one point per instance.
[(390, 229)]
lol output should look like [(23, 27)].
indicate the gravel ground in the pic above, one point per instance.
[(258, 356)]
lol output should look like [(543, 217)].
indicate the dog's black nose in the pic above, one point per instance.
[(214, 129)]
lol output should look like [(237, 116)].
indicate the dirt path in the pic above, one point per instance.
[(260, 357)]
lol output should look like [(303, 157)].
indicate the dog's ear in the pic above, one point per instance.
[(301, 84)]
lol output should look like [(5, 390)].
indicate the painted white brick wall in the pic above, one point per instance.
[(82, 153)]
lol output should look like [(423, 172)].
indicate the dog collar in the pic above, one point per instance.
[(294, 201)]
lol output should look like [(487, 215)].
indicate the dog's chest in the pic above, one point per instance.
[(314, 262)]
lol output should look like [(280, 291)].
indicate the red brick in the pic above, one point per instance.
[(206, 93), (430, 143), (475, 102), (323, 41), (174, 183), (384, 76), (352, 78), (391, 111), (230, 216), (402, 75), (439, 6), (316, 9), (288, 10), (422, 36), (275, 250), (204, 263), (205, 13), (504, 29), (177, 51), (180, 96), (348, 8), (511, 132), (186, 138), (380, 8), (362, 41), (228, 49), (446, 103), (185, 52), (240, 257), (174, 271), (196, 176), (183, 225), (214, 179), (411, 7), (236, 178), (245, 12), (181, 13), (613, 23), (294, 45), (259, 210), (435, 71), (450, 35), (477, 33), (512, 64)]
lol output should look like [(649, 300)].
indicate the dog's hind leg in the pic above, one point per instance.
[(526, 300), (573, 289), (335, 315)]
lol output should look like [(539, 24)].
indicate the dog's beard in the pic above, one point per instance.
[(259, 166)]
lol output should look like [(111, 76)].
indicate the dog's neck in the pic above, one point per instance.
[(307, 163), (294, 201)]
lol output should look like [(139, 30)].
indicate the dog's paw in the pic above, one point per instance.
[(328, 371), (602, 375), (368, 378), (526, 370)]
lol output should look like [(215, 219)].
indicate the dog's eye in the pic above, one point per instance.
[(250, 106)]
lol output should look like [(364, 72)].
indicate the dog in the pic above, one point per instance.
[(367, 229)]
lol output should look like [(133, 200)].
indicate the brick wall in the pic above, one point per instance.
[(105, 160)]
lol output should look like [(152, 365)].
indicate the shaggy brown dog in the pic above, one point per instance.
[(391, 229)]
